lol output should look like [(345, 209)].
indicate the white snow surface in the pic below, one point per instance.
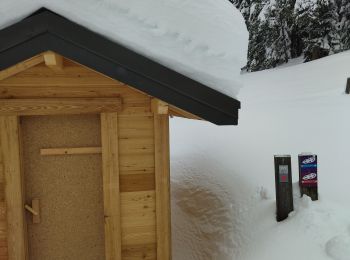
[(223, 194), (205, 40)]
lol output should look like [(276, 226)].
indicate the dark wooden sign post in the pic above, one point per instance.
[(308, 175), (284, 188)]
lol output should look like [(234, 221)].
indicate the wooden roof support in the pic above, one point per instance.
[(159, 107), (174, 111), (53, 60), (11, 71)]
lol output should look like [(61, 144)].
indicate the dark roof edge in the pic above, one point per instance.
[(95, 51)]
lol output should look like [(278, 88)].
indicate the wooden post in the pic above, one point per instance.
[(11, 160), (111, 185), (347, 90), (284, 187), (162, 171)]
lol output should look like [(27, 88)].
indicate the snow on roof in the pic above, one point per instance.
[(204, 40)]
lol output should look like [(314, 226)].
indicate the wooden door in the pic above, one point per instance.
[(69, 187)]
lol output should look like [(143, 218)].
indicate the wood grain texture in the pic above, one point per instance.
[(9, 72), (53, 60), (3, 217), (137, 182), (162, 174), (11, 162), (159, 107), (70, 151), (73, 81), (56, 106), (137, 252), (138, 217), (112, 208)]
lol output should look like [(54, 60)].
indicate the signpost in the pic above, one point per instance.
[(308, 175), (284, 188)]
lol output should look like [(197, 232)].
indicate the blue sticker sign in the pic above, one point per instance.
[(308, 170)]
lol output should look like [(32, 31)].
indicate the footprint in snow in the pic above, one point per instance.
[(338, 247)]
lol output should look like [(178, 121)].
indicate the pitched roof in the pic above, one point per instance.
[(45, 30)]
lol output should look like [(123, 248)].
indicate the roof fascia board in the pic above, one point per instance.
[(153, 88), (137, 63), (20, 32)]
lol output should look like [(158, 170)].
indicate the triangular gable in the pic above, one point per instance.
[(46, 30)]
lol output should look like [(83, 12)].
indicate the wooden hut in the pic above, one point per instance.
[(84, 143)]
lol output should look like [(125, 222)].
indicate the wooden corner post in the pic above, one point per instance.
[(11, 165), (162, 172)]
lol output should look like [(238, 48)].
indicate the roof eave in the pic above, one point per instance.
[(48, 31)]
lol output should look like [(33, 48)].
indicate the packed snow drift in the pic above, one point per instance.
[(204, 40), (223, 194)]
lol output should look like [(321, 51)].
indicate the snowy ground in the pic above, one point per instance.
[(223, 195)]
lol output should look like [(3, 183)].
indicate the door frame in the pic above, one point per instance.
[(13, 176)]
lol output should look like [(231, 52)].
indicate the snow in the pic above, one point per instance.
[(205, 40), (223, 195)]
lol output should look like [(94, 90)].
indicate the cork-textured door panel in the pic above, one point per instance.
[(68, 188)]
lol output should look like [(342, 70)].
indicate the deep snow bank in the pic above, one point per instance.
[(205, 40), (223, 177)]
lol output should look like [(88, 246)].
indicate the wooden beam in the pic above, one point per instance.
[(174, 111), (14, 193), (53, 61), (67, 151), (111, 185), (11, 71), (55, 106), (162, 172), (159, 107)]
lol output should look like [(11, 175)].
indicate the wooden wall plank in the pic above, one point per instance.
[(11, 161), (162, 174), (70, 91), (136, 127), (9, 72), (137, 182), (112, 209), (137, 252), (55, 106), (133, 146), (67, 76), (138, 217)]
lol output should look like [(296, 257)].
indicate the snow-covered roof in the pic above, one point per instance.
[(204, 40)]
